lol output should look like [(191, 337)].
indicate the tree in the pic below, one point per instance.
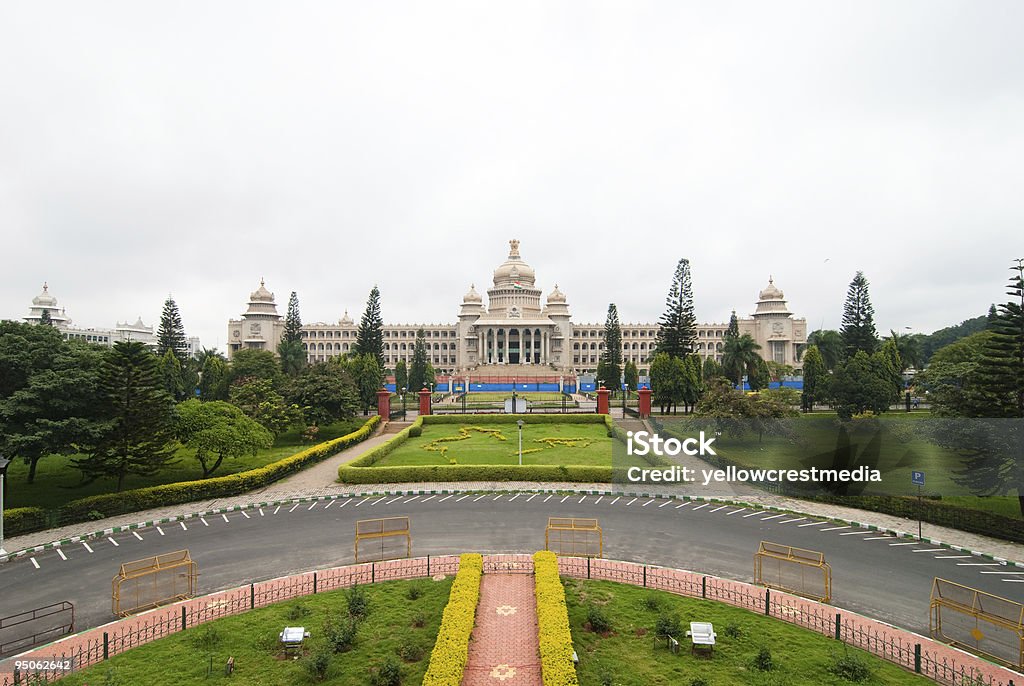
[(951, 378), (815, 379), (892, 364), (259, 364), (217, 431), (418, 366), (909, 349), (711, 370), (138, 437), (665, 381), (56, 411), (734, 326), (740, 358), (325, 392), (691, 386), (632, 375), (24, 350), (863, 384), (829, 344), (290, 350), (778, 371), (401, 376), (858, 329), (612, 353), (258, 399), (171, 333), (368, 378), (370, 334), (1001, 368), (45, 319), (170, 372), (429, 375), (678, 333), (759, 376), (213, 378)]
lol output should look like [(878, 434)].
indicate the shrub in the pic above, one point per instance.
[(409, 650), (651, 602), (205, 638), (389, 673), (415, 431), (414, 592), (316, 664), (553, 632), (606, 679), (699, 681), (297, 611), (341, 635), (451, 649), (667, 625), (732, 631), (419, 620), (358, 602), (21, 520), (850, 667), (598, 619), (763, 660)]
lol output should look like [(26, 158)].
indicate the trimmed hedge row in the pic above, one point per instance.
[(553, 632), (21, 519), (356, 472), (108, 504), (451, 649)]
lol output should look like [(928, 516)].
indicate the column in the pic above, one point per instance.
[(506, 344)]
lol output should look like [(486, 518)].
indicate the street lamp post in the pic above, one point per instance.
[(4, 462), (622, 387), (520, 425), (515, 408), (403, 403)]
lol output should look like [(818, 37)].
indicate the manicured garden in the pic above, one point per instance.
[(614, 628), (395, 626), (501, 396)]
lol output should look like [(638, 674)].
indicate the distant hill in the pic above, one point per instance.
[(943, 337)]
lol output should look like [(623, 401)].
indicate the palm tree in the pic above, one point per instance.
[(830, 345), (908, 348), (740, 357)]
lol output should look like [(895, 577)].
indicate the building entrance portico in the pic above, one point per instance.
[(515, 345)]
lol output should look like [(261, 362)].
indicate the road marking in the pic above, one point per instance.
[(834, 528), (393, 500), (434, 496), (383, 499), (951, 557), (531, 497), (1003, 573), (293, 508), (615, 501), (700, 506), (137, 535), (875, 538), (682, 504), (225, 518), (667, 502), (474, 499), (735, 511), (345, 502), (182, 526), (565, 498), (261, 510), (775, 516), (329, 503), (800, 526), (62, 555), (753, 514), (87, 546), (978, 564), (410, 500), (462, 498), (365, 499), (647, 503), (720, 507), (928, 550), (34, 563), (514, 497), (855, 533), (444, 498), (246, 515), (203, 520), (116, 544), (276, 509), (161, 531), (796, 519), (906, 543), (582, 499), (1013, 581), (498, 496), (312, 506), (599, 499), (631, 502), (549, 497)]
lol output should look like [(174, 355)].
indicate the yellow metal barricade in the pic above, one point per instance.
[(978, 621), (574, 537), (793, 570), (153, 581), (379, 539)]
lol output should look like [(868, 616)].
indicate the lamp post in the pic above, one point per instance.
[(515, 408), (520, 425), (622, 387), (4, 462), (403, 403)]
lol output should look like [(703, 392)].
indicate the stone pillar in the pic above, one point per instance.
[(384, 403), (645, 402), (424, 401), (602, 400), (505, 355)]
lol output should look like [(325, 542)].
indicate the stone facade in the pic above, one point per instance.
[(518, 327)]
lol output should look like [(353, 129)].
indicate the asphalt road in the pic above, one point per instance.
[(873, 574)]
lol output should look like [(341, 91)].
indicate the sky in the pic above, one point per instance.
[(193, 148)]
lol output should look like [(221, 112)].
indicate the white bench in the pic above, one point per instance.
[(702, 635)]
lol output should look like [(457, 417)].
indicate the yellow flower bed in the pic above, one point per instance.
[(436, 445), (451, 649), (553, 633), (567, 442)]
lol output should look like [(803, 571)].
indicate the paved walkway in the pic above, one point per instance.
[(504, 647)]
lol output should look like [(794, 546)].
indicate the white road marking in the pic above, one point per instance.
[(775, 516), (185, 528), (564, 499), (753, 514), (531, 497), (345, 502), (410, 500), (160, 531), (444, 498), (116, 544), (928, 550), (952, 557), (261, 512), (385, 498), (312, 506), (720, 507), (978, 564), (905, 543), (700, 506), (667, 502), (616, 500), (800, 526), (225, 517), (856, 533), (549, 497), (246, 515), (329, 503), (647, 503), (137, 535), (393, 500), (834, 528), (514, 497), (365, 499), (1013, 581), (631, 502), (203, 520), (293, 507), (735, 511), (462, 498), (474, 499), (34, 563), (62, 555), (498, 496), (582, 499), (795, 519), (1003, 573), (599, 499), (875, 538), (682, 504), (276, 509), (87, 546), (434, 496)]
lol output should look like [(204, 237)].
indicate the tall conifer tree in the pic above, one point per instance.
[(370, 334), (858, 330), (293, 357), (611, 370), (678, 333), (171, 333)]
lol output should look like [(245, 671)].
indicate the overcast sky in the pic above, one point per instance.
[(191, 148)]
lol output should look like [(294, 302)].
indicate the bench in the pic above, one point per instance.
[(702, 636)]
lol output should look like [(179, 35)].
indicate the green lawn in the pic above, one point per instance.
[(251, 638), (593, 448), (57, 481), (627, 656)]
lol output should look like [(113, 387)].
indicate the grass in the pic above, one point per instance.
[(57, 481), (595, 448), (627, 657), (251, 638)]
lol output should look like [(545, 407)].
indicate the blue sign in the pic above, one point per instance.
[(917, 478)]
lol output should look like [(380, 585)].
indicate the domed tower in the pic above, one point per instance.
[(261, 327), (45, 302), (514, 294), (781, 336), (469, 338), (771, 302), (557, 310)]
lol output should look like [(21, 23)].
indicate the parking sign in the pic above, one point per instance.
[(917, 478)]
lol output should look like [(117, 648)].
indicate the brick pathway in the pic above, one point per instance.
[(504, 649)]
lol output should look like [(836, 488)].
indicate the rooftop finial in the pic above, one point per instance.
[(770, 279), (513, 247), (46, 287)]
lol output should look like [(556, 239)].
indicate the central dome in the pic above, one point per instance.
[(513, 270)]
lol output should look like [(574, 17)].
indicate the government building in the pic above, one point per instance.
[(518, 331)]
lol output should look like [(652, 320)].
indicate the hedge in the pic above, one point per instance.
[(356, 472), (553, 633), (21, 519), (108, 504), (451, 649)]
